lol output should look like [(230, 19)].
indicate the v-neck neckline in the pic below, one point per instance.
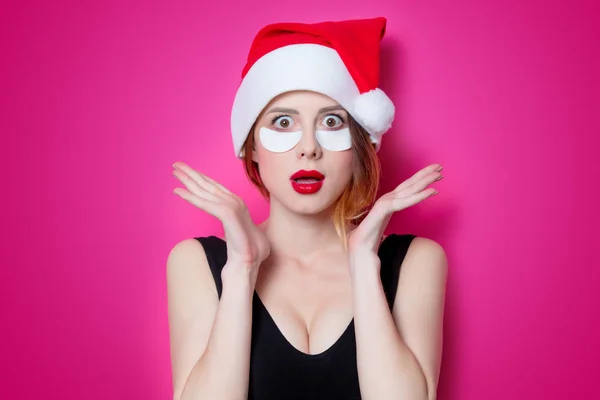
[(289, 345)]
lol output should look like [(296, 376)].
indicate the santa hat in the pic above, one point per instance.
[(338, 59)]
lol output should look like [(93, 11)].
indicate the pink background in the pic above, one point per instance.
[(98, 100)]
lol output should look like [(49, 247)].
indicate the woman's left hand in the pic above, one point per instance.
[(367, 235)]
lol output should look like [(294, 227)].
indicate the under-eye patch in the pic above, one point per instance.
[(279, 142), (339, 140)]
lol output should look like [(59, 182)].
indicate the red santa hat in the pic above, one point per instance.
[(338, 59)]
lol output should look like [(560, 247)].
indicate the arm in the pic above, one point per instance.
[(210, 339), (399, 355)]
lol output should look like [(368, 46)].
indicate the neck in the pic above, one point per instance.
[(301, 236)]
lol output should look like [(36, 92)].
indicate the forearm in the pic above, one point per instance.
[(387, 368), (223, 370)]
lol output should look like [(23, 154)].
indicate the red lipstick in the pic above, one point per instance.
[(307, 182)]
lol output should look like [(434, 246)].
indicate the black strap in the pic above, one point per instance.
[(216, 254), (392, 251)]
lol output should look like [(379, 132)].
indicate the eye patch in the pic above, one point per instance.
[(335, 140), (280, 142)]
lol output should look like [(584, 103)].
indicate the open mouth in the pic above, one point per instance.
[(310, 176), (307, 182)]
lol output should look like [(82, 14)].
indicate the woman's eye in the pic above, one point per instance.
[(333, 121), (283, 122)]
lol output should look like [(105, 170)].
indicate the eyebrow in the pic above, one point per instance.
[(292, 111)]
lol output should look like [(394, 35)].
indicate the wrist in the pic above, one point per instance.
[(238, 274), (364, 265)]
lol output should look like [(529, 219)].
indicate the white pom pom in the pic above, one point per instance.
[(375, 112)]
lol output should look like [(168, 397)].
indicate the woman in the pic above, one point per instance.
[(309, 304)]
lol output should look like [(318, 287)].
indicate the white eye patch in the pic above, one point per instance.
[(280, 142), (335, 140)]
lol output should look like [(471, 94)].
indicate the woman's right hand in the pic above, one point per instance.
[(247, 245)]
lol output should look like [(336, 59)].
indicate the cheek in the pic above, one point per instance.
[(342, 172), (271, 167), (346, 164)]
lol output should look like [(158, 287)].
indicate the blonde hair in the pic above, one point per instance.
[(360, 193)]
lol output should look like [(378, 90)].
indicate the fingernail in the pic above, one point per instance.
[(439, 177), (438, 169)]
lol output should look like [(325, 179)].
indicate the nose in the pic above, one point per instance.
[(309, 146)]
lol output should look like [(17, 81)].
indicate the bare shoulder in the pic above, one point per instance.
[(427, 255), (187, 264), (184, 251), (192, 305)]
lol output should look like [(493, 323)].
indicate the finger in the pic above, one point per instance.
[(401, 203), (193, 186), (419, 185), (203, 204), (217, 184), (199, 178), (418, 176)]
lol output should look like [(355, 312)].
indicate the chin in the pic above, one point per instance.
[(311, 204), (308, 207)]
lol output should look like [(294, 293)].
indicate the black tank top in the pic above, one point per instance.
[(280, 371)]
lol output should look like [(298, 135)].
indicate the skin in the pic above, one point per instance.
[(297, 264)]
